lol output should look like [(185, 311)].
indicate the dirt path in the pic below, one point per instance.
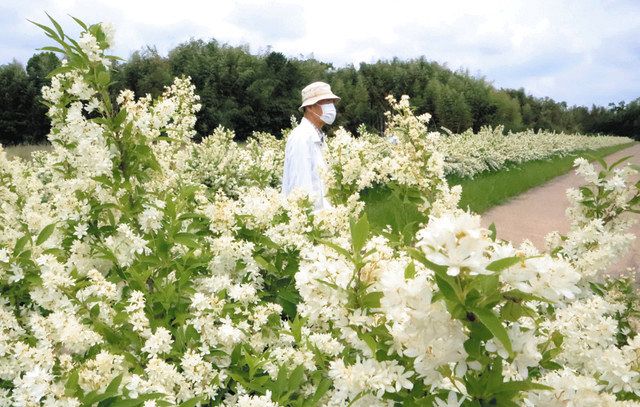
[(541, 210)]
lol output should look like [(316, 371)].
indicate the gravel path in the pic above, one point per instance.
[(540, 210)]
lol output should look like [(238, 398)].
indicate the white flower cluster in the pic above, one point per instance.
[(223, 165), (598, 234), (160, 272), (468, 153), (95, 41)]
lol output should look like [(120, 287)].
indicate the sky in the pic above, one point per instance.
[(582, 52)]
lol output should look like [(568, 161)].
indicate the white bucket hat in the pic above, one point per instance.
[(315, 92)]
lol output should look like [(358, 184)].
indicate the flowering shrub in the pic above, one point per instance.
[(468, 153), (131, 274)]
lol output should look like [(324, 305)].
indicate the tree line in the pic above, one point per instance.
[(260, 92)]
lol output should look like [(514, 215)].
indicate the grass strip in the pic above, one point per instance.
[(492, 188)]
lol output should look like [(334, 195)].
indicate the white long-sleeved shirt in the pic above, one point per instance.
[(302, 163)]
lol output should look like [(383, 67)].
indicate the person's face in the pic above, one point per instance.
[(317, 107)]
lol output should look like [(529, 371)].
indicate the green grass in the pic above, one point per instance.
[(489, 189)]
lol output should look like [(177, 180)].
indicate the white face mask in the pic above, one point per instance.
[(328, 113)]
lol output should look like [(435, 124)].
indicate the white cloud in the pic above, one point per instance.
[(582, 52)]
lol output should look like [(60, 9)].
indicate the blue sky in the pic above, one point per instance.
[(582, 52)]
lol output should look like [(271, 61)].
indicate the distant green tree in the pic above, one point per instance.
[(260, 92), (621, 118), (38, 67), (452, 110), (355, 103), (146, 72), (477, 95), (17, 97), (507, 111), (274, 92)]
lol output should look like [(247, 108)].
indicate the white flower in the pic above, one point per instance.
[(457, 242), (158, 343), (243, 293), (109, 31), (32, 387), (16, 275), (452, 400), (81, 89), (89, 46), (150, 219), (81, 230), (4, 255), (256, 401)]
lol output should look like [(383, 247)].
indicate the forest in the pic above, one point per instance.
[(260, 92)]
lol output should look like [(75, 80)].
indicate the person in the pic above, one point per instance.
[(303, 159)]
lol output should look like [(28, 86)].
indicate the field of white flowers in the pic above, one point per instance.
[(468, 153), (138, 268)]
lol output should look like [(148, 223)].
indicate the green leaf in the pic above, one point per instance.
[(95, 311), (372, 299), (557, 338), (599, 289), (191, 402), (493, 324), (119, 119), (492, 229), (80, 23), (289, 293), (112, 388), (109, 333), (620, 161), (296, 328), (236, 354), (370, 341), (518, 386), (280, 385), (71, 387), (447, 289), (52, 49), (505, 263), (473, 347), (114, 58), (504, 402), (322, 389), (512, 311), (56, 25), (45, 233), (359, 233), (257, 384), (599, 159), (107, 254), (586, 191), (20, 244), (296, 377), (265, 264), (46, 29), (418, 255), (187, 239), (337, 248), (127, 403), (94, 397), (193, 215), (103, 179), (410, 271), (104, 78)]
